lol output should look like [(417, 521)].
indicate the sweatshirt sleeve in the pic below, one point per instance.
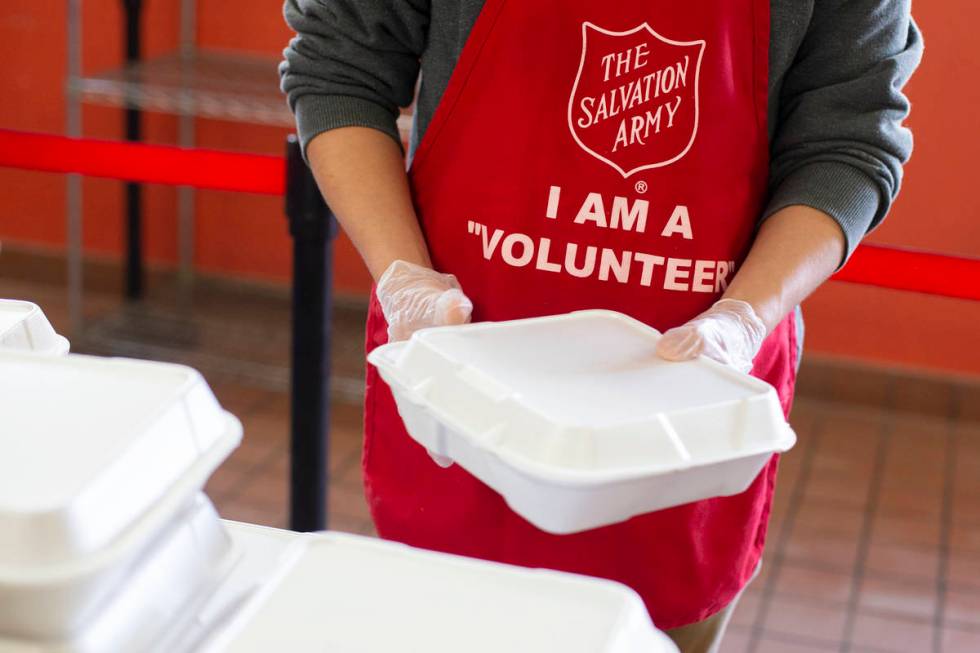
[(839, 144), (352, 62)]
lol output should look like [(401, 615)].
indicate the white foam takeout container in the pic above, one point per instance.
[(24, 327), (336, 592), (162, 590), (576, 422), (99, 456)]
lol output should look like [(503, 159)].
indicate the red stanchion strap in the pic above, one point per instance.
[(158, 164), (910, 270), (873, 265)]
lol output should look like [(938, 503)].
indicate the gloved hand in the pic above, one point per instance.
[(729, 332), (413, 297)]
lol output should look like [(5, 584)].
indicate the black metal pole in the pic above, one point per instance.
[(313, 229), (134, 192)]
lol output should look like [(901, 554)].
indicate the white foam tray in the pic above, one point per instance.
[(576, 422), (23, 326), (343, 593), (98, 456), (161, 591)]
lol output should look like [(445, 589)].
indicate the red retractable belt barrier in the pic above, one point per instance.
[(156, 164), (915, 271), (873, 265)]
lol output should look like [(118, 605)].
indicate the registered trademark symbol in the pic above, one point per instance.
[(641, 187)]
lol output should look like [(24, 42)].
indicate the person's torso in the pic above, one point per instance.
[(586, 156)]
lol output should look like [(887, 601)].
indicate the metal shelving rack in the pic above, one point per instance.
[(189, 82), (193, 82), (169, 84)]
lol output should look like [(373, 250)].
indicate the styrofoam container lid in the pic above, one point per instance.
[(23, 326), (94, 449), (347, 593), (583, 398)]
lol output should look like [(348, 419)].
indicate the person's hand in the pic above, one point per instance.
[(729, 332), (413, 297)]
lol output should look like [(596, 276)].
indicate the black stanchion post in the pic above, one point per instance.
[(313, 229), (134, 192)]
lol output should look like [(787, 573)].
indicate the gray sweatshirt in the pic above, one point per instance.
[(837, 68)]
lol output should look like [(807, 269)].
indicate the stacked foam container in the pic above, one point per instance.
[(107, 542), (337, 592), (24, 327)]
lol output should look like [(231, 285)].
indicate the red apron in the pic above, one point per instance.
[(592, 155)]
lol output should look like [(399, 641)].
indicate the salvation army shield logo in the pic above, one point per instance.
[(634, 104)]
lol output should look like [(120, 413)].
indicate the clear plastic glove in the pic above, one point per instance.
[(413, 297), (729, 332)]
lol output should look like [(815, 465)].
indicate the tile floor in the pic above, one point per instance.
[(874, 544)]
